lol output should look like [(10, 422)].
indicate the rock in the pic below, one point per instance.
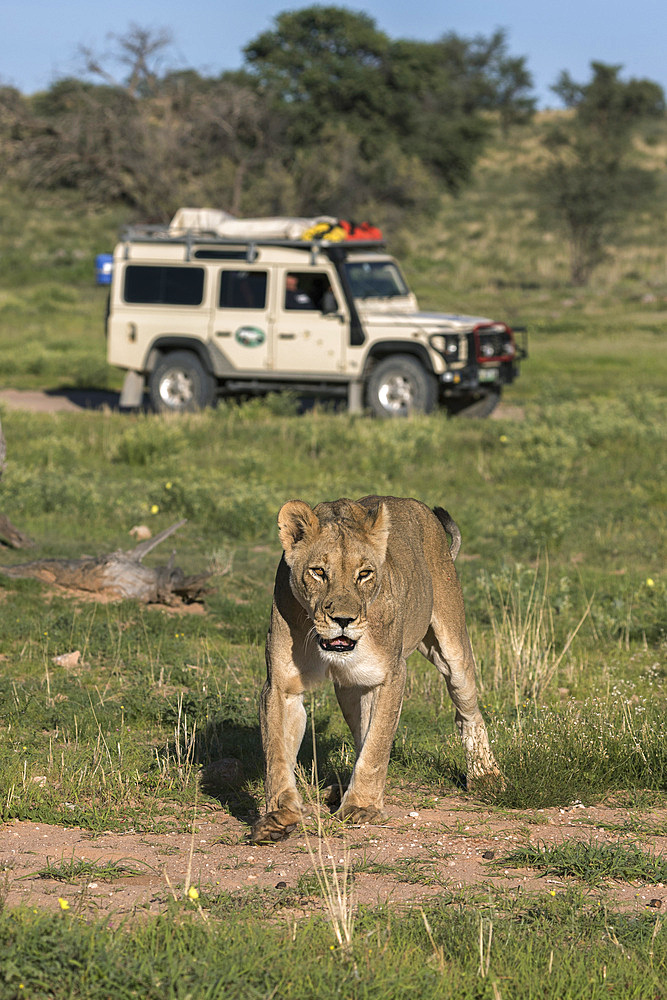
[(68, 659), (141, 532)]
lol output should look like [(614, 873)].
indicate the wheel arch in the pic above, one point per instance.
[(385, 349), (164, 344)]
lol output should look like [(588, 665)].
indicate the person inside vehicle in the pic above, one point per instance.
[(294, 298)]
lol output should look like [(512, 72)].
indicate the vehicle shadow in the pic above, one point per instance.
[(91, 399), (105, 399)]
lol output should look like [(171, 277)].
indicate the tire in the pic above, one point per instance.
[(399, 385), (476, 406), (179, 383)]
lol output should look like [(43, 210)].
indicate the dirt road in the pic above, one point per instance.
[(73, 400), (419, 854)]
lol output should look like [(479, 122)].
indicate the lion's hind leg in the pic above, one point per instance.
[(450, 651)]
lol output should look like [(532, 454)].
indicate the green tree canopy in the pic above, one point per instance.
[(589, 183), (329, 64)]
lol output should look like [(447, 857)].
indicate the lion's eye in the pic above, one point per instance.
[(363, 575), (317, 572)]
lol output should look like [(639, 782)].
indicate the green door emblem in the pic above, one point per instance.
[(250, 336)]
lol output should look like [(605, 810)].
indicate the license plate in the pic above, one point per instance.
[(488, 374)]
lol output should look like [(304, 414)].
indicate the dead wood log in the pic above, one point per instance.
[(9, 534), (12, 536), (120, 574)]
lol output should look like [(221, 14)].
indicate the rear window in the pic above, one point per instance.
[(242, 289), (168, 286)]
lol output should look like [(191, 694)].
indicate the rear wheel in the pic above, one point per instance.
[(399, 385), (179, 383)]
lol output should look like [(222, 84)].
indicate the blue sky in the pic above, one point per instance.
[(39, 39)]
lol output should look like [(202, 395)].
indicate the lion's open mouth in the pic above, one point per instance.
[(341, 644)]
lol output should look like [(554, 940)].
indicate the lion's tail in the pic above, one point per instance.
[(451, 527)]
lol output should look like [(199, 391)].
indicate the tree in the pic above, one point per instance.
[(329, 114), (141, 50), (321, 64), (438, 90), (231, 125), (328, 65), (587, 184)]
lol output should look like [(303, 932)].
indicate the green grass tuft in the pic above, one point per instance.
[(77, 870), (592, 863)]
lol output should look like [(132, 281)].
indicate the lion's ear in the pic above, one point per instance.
[(378, 530), (296, 521)]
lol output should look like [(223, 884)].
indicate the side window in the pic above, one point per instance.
[(242, 289), (309, 290), (168, 286)]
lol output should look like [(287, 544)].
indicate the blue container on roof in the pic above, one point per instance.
[(103, 266)]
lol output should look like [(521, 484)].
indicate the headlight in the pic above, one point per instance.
[(447, 345)]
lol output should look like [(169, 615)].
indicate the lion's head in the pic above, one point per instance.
[(336, 555)]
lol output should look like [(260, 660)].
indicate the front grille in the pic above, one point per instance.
[(494, 344)]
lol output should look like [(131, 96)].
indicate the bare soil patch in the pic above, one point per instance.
[(71, 400), (453, 848)]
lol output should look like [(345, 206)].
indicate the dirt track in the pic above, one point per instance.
[(58, 401), (73, 400), (422, 853)]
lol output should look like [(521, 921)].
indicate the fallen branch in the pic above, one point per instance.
[(9, 534), (12, 536), (120, 574)]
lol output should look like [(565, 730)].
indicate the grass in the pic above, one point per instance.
[(563, 944), (592, 863), (412, 871), (562, 516), (76, 870), (569, 659)]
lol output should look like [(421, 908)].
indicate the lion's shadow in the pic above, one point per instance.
[(232, 764)]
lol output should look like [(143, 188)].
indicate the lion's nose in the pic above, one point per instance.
[(343, 622)]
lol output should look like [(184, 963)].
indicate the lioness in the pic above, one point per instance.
[(359, 587)]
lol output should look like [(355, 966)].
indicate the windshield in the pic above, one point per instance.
[(375, 279)]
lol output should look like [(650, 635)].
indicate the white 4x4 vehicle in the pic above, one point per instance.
[(218, 306)]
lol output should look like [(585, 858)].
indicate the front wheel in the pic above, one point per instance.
[(399, 385), (179, 383)]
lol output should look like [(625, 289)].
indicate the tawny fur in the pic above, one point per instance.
[(360, 586)]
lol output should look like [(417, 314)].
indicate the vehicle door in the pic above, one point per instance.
[(311, 326), (241, 323)]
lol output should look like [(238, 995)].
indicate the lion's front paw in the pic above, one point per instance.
[(275, 826), (361, 814)]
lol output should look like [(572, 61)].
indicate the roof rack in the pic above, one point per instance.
[(190, 238)]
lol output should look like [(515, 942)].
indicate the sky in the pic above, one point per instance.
[(40, 40)]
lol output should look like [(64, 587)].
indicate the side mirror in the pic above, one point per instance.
[(329, 304)]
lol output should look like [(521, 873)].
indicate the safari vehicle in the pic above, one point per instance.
[(213, 305)]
